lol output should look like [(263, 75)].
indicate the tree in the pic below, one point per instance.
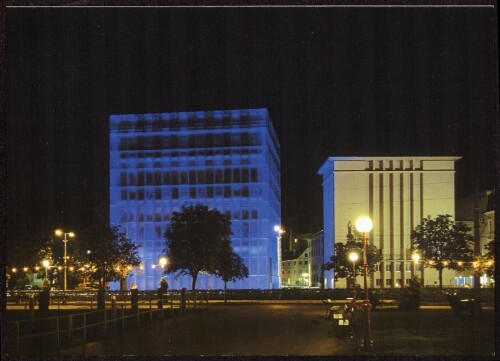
[(340, 262), (442, 243), (108, 252), (194, 237), (230, 266)]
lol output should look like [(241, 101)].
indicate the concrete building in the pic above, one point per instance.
[(486, 223), (296, 272), (316, 258), (396, 193), (229, 160)]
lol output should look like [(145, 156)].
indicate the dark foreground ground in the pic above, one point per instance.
[(301, 329)]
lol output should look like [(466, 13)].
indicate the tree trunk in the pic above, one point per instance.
[(225, 301)]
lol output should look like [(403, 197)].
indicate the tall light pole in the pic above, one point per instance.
[(280, 231), (46, 264), (353, 256), (364, 225), (65, 240)]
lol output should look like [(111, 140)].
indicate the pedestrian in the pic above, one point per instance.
[(163, 284), (134, 297)]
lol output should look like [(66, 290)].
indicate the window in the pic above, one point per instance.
[(388, 282), (378, 282), (398, 267), (376, 267), (408, 267), (388, 267)]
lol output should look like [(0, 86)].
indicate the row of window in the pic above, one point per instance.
[(176, 121), (199, 192), (154, 231), (388, 282), (397, 267), (207, 140), (156, 214), (191, 177), (180, 155)]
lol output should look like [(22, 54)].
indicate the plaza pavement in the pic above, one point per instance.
[(300, 329)]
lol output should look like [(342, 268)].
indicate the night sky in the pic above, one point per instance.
[(337, 82)]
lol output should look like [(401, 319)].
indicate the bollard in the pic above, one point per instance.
[(44, 300), (134, 300), (113, 301)]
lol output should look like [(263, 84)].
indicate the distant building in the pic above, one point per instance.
[(316, 258), (229, 160), (296, 272), (396, 193), (465, 213), (302, 266)]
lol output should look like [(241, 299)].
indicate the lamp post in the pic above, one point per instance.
[(280, 231), (65, 240), (364, 225), (163, 262), (46, 264), (353, 256)]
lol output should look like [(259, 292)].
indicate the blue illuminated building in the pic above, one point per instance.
[(228, 160)]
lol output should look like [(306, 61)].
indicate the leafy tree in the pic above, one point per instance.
[(194, 238), (340, 260), (108, 253), (230, 266), (488, 259), (442, 243)]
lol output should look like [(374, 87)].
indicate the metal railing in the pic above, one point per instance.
[(48, 336)]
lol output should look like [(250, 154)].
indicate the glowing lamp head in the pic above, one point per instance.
[(71, 234), (45, 263), (58, 232), (364, 224), (25, 269), (416, 257), (278, 229), (353, 256), (163, 261), (14, 270)]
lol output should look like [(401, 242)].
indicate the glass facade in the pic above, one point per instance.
[(228, 160)]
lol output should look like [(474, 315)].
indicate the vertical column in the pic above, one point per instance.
[(391, 229), (381, 227), (402, 248)]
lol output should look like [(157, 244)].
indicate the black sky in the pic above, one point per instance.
[(337, 82)]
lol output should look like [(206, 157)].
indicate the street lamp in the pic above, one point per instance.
[(163, 262), (65, 240), (353, 256), (364, 225), (280, 231), (46, 264)]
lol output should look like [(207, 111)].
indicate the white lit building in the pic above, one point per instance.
[(396, 193)]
